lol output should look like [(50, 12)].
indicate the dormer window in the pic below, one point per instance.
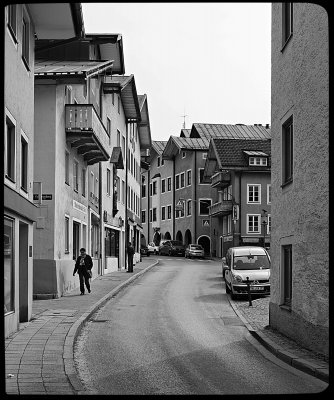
[(258, 161), (256, 158)]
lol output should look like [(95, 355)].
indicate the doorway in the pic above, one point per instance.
[(76, 239), (23, 272), (204, 241)]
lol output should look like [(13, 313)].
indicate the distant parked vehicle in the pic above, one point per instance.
[(242, 262), (144, 250), (153, 248), (171, 248), (194, 250)]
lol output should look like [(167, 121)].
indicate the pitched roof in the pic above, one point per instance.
[(231, 152), (225, 131), (49, 68), (185, 132), (175, 144), (159, 146)]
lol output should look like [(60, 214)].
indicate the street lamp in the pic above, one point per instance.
[(264, 223)]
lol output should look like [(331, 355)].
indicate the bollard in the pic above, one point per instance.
[(249, 293)]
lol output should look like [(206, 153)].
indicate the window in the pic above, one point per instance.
[(150, 189), (154, 187), (92, 186), (162, 162), (68, 94), (25, 40), (67, 167), (253, 194), (154, 214), (118, 189), (229, 224), (287, 274), (258, 161), (269, 194), (204, 205), (163, 185), (169, 184), (8, 266), (188, 207), (75, 175), (269, 224), (182, 180), (118, 138), (287, 19), (111, 239), (189, 177), (108, 181), (123, 191), (201, 174), (253, 223), (169, 212), (163, 213), (67, 235), (10, 149), (184, 154), (118, 104), (204, 156), (158, 161), (96, 188), (177, 181), (143, 216), (24, 164), (113, 98), (143, 190), (151, 215), (123, 145), (287, 151), (83, 182), (12, 24)]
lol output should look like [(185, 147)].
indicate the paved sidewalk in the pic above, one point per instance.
[(39, 357), (256, 319)]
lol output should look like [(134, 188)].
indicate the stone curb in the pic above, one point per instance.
[(75, 329), (279, 352)]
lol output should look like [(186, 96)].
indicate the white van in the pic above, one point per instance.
[(244, 262)]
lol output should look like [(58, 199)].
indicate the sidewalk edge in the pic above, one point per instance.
[(279, 352), (70, 369)]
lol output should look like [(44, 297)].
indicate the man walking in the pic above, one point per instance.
[(83, 266), (131, 251)]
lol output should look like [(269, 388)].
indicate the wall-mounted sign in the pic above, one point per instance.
[(79, 206), (44, 196), (227, 238), (206, 222), (250, 240)]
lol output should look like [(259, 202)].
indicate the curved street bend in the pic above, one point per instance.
[(173, 331)]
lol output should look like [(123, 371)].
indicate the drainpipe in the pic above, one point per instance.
[(173, 210), (126, 197), (101, 219), (195, 198), (148, 206)]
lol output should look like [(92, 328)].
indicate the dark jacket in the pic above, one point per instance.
[(131, 251), (88, 263)]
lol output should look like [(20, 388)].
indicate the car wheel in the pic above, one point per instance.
[(155, 252), (227, 289)]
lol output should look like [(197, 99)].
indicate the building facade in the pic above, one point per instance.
[(24, 26), (239, 169), (90, 135), (300, 198)]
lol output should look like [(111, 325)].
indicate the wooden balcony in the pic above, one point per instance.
[(221, 208), (220, 179), (86, 132)]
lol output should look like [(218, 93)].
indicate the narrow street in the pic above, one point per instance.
[(173, 331)]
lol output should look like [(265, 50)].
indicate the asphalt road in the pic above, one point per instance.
[(173, 331)]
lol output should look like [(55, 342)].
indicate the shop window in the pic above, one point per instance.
[(8, 265)]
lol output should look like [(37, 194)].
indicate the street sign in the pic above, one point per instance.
[(44, 196)]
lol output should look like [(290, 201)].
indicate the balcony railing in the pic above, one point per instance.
[(86, 132), (221, 208), (220, 179)]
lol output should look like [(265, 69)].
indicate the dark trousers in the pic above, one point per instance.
[(130, 262), (84, 279)]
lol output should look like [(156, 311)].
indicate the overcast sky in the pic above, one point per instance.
[(210, 61)]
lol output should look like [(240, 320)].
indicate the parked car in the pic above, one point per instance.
[(242, 262), (194, 250), (144, 250), (171, 248), (153, 248)]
